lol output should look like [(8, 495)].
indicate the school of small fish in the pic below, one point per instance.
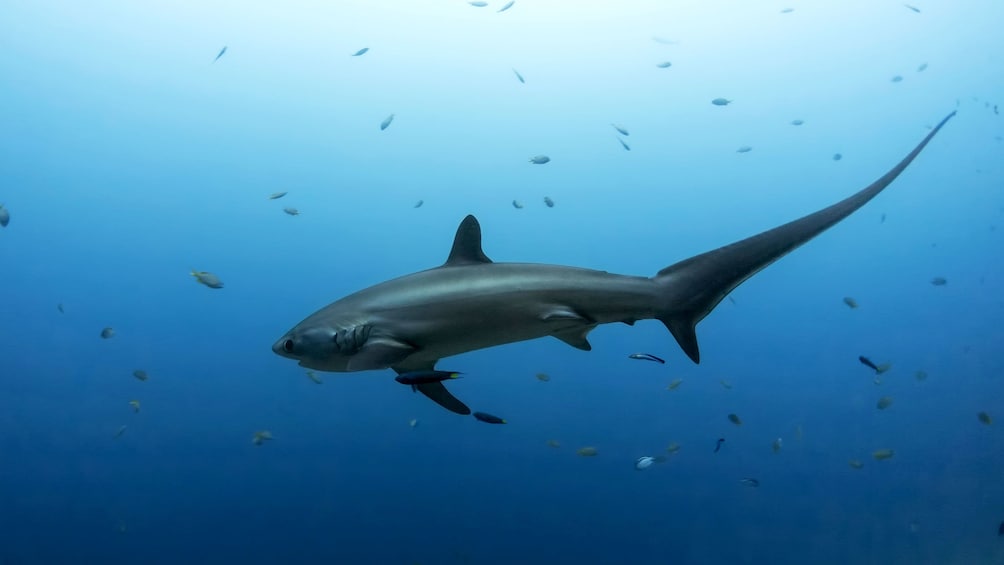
[(642, 463)]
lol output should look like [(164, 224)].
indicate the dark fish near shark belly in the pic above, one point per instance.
[(470, 302)]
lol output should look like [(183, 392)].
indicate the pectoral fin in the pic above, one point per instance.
[(438, 393)]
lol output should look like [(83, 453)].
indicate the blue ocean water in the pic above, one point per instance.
[(128, 157)]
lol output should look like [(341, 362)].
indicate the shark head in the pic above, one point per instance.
[(321, 346), (314, 347)]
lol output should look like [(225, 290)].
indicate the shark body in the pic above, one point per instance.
[(470, 302)]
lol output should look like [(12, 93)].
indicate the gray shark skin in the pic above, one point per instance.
[(470, 302)]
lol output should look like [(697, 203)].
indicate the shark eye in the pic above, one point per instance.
[(287, 346)]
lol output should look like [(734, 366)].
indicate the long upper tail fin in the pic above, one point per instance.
[(696, 285)]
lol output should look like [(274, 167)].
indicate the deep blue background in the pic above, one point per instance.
[(127, 158)]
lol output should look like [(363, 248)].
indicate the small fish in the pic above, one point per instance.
[(386, 122), (883, 454), (882, 218), (797, 122), (413, 422), (478, 4), (837, 156), (119, 432), (361, 52), (884, 402), (220, 54), (675, 384), (553, 443), (277, 195), (140, 374), (914, 8), (488, 418), (419, 204), (506, 6), (134, 404), (647, 461), (673, 447), (588, 451), (732, 300), (647, 357), (850, 302), (896, 78), (291, 211), (799, 433), (107, 333), (207, 278), (543, 377), (920, 376), (261, 437), (1000, 530), (725, 384), (735, 420), (721, 102), (623, 144), (620, 129), (426, 377), (519, 76), (517, 204), (548, 202), (868, 363), (776, 445), (984, 418), (4, 217), (939, 281), (718, 444), (750, 482), (665, 41), (855, 464), (540, 159), (744, 149), (922, 67), (664, 65), (60, 308), (313, 376)]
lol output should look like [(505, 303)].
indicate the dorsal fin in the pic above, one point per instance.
[(467, 245)]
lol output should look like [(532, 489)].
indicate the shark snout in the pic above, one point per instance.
[(284, 347)]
